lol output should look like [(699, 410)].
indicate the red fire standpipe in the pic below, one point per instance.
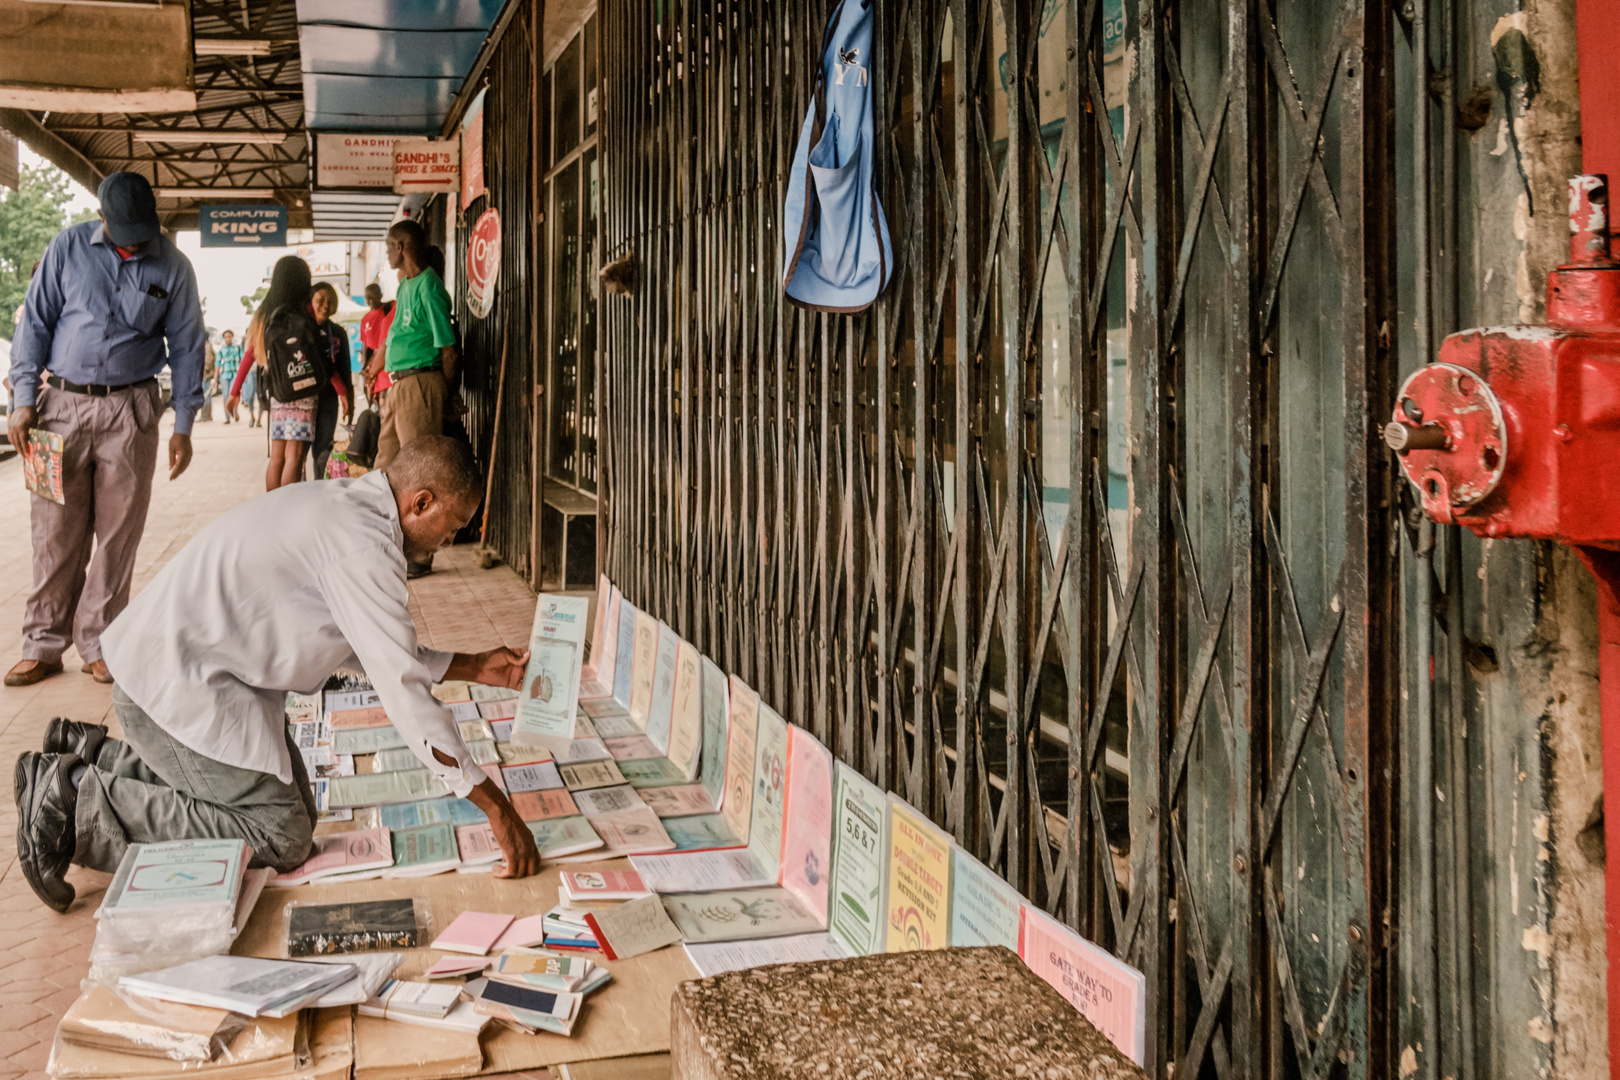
[(1515, 433)]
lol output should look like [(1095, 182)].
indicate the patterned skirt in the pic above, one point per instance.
[(293, 421)]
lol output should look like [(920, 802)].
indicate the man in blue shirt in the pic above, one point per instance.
[(112, 302)]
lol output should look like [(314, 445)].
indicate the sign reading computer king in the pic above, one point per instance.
[(252, 225)]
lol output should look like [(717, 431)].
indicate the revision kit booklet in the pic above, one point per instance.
[(686, 712), (860, 808), (243, 984), (624, 655), (712, 752), (918, 896), (807, 832), (550, 695), (663, 693), (643, 669), (737, 808), (178, 873), (985, 910), (770, 788), (1107, 991)]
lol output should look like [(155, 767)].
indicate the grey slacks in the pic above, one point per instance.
[(151, 788), (84, 549)]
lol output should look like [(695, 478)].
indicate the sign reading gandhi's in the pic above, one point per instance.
[(250, 225), (354, 161), (426, 165)]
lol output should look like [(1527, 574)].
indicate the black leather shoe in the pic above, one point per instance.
[(45, 828), (64, 736)]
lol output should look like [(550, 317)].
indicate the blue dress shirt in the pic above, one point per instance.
[(96, 318)]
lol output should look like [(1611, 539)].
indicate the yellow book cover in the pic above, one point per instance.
[(919, 899)]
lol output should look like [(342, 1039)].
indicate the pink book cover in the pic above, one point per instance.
[(452, 966), (1107, 991), (632, 748), (525, 932), (498, 710), (359, 718), (605, 884), (472, 932), (476, 844), (540, 805), (807, 822), (339, 853)]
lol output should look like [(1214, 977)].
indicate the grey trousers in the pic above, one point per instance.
[(151, 788), (84, 549)]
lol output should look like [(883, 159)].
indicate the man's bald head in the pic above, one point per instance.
[(437, 487)]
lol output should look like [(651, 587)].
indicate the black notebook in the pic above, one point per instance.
[(367, 926)]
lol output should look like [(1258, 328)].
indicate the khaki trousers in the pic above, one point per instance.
[(84, 549), (413, 407), (150, 787)]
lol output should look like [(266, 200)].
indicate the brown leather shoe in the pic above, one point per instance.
[(29, 672), (97, 670)]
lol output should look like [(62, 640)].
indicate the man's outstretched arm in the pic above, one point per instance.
[(499, 667)]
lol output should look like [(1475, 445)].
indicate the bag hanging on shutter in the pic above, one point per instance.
[(837, 255), (297, 361)]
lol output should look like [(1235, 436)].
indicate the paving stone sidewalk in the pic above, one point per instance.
[(43, 955)]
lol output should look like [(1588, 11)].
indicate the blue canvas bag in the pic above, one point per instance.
[(836, 251)]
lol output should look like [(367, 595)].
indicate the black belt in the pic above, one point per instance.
[(93, 390)]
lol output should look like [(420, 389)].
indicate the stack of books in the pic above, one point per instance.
[(583, 890), (566, 929), (173, 902), (524, 1009), (539, 969), (241, 984)]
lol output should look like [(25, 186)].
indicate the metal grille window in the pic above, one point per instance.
[(1080, 538)]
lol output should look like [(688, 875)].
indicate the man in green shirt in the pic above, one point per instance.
[(419, 353)]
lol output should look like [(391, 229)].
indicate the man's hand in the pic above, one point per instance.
[(179, 454), (497, 667), (21, 422), (517, 842)]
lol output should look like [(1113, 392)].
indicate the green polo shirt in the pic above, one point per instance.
[(421, 324)]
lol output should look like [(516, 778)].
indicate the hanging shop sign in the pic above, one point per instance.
[(251, 225), (354, 161), (426, 165), (472, 151), (483, 262)]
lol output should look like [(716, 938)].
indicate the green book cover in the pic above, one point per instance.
[(855, 910), (425, 845)]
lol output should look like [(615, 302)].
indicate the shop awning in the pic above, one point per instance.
[(388, 65)]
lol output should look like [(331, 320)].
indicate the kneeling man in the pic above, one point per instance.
[(274, 595)]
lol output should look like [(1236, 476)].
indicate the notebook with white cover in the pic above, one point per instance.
[(245, 984), (179, 873)]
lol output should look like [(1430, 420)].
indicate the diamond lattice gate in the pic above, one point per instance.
[(1077, 539)]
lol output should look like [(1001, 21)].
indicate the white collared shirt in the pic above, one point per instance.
[(274, 595)]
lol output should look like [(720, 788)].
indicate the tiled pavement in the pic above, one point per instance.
[(43, 955)]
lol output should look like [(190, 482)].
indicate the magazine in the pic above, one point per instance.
[(42, 465)]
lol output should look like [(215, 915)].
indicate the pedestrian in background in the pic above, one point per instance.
[(210, 382), (419, 354), (338, 391), (112, 303), (293, 360), (230, 359)]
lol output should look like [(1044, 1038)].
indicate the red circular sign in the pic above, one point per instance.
[(483, 262)]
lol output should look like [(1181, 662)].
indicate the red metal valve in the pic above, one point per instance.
[(1515, 432)]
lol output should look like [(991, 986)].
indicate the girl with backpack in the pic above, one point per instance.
[(293, 362)]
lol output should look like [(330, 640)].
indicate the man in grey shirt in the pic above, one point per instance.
[(272, 596)]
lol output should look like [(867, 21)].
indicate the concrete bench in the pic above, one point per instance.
[(947, 1013)]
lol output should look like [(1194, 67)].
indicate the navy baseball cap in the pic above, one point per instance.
[(129, 208)]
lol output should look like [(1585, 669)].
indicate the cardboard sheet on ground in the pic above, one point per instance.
[(628, 1016)]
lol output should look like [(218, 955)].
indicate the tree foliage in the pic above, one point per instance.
[(251, 303), (29, 218)]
